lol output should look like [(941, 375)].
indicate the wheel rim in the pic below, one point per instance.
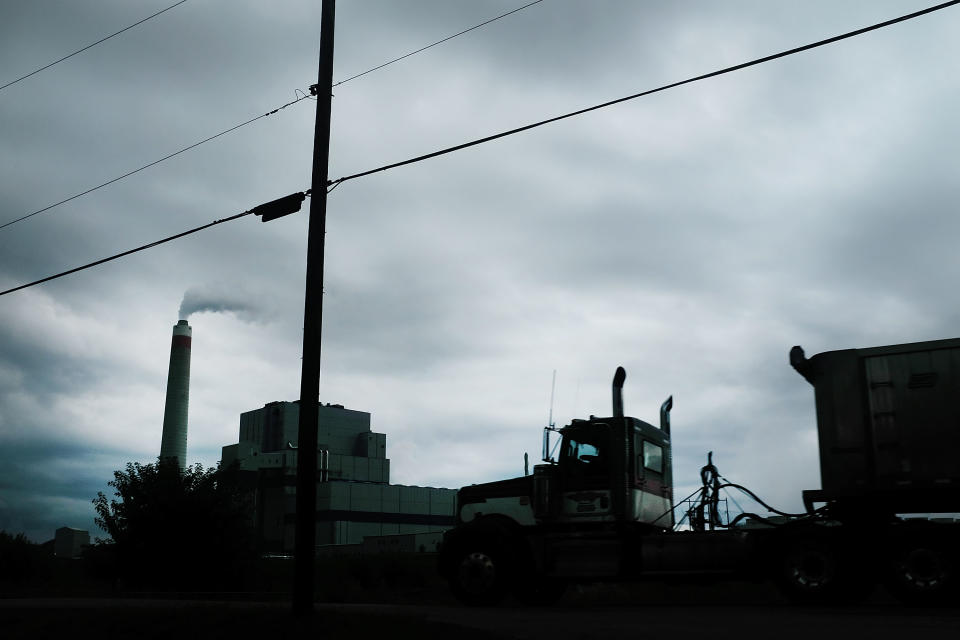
[(477, 573), (810, 570), (922, 569)]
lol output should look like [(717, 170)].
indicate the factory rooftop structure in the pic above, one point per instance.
[(354, 496), (70, 543)]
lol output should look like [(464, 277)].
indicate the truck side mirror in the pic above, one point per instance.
[(548, 451)]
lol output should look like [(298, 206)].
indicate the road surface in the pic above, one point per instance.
[(146, 619)]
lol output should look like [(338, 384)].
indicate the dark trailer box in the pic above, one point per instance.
[(888, 419)]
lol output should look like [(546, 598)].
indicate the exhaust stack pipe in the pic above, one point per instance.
[(798, 360), (618, 379), (665, 415)]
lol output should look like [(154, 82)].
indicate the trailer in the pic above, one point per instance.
[(603, 508)]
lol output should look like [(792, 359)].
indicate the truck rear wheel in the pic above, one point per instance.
[(808, 572), (922, 573), (816, 571)]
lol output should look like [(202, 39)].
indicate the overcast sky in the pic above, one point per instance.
[(693, 236)]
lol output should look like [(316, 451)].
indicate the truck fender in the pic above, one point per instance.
[(493, 529)]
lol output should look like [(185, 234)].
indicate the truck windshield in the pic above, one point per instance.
[(579, 449)]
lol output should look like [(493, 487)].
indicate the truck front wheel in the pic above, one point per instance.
[(480, 575)]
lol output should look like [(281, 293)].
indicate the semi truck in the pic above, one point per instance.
[(603, 508)]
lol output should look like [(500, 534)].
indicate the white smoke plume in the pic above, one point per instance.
[(222, 299)]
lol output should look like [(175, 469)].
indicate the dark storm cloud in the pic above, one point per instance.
[(42, 364), (38, 369), (46, 484)]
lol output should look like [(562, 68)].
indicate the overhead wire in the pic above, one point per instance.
[(421, 49), (155, 162), (297, 92), (332, 184), (672, 85), (258, 210), (90, 46), (125, 253)]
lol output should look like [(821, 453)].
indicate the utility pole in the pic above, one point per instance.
[(306, 534)]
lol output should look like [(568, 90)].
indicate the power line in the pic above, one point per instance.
[(267, 210), (712, 74), (407, 55), (155, 162), (89, 46), (242, 124), (125, 253)]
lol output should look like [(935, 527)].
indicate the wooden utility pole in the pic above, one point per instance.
[(305, 544)]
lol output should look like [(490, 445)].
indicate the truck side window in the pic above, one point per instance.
[(652, 456)]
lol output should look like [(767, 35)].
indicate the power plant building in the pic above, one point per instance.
[(69, 542), (354, 496)]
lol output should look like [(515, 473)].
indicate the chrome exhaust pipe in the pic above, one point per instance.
[(665, 415), (618, 379)]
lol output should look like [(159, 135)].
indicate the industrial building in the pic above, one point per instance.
[(70, 543), (354, 496)]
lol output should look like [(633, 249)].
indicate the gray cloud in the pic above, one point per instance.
[(692, 237)]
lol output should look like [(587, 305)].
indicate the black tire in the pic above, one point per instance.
[(923, 573), (481, 573), (821, 571), (808, 572)]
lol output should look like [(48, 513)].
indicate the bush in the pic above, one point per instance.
[(183, 529), (17, 558)]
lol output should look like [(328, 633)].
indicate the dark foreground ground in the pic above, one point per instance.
[(580, 615), (399, 597)]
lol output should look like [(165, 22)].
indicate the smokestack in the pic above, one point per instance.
[(174, 441)]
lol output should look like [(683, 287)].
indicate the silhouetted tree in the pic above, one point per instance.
[(17, 558), (184, 529)]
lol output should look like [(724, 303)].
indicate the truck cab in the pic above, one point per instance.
[(612, 470), (615, 469), (604, 481)]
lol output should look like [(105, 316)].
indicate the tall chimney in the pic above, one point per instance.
[(174, 441)]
